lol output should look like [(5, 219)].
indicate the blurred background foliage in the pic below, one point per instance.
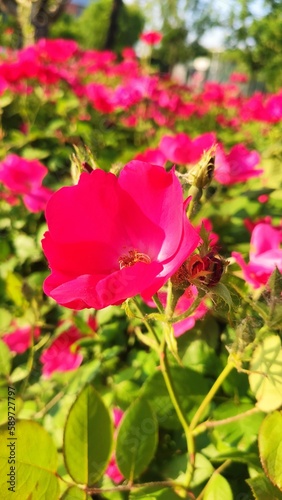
[(244, 34)]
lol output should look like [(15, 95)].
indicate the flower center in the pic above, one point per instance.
[(133, 256)]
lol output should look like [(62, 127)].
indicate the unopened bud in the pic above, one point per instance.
[(204, 270), (81, 160), (245, 335), (201, 174)]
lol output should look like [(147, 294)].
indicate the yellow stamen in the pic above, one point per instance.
[(132, 257)]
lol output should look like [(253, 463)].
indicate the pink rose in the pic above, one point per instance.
[(56, 51), (24, 177), (151, 37), (112, 238), (236, 166), (265, 255), (100, 97), (21, 338), (154, 156), (59, 357), (239, 77), (181, 149), (113, 471)]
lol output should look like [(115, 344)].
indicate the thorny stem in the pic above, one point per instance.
[(164, 365), (189, 311), (129, 487), (158, 303), (252, 303), (210, 424), (145, 321), (49, 405), (30, 360), (220, 379), (181, 416), (169, 301)]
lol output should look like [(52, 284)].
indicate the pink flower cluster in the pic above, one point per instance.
[(265, 255), (24, 178), (61, 356), (55, 64), (20, 338), (238, 165), (151, 37)]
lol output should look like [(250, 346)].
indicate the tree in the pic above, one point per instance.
[(109, 24), (33, 17), (182, 23), (256, 40)]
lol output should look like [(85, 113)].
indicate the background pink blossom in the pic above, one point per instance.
[(265, 255)]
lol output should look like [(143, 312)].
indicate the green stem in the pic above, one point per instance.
[(181, 416), (164, 365), (189, 311), (210, 424), (252, 303), (158, 303), (169, 301), (29, 365), (146, 322), (206, 401)]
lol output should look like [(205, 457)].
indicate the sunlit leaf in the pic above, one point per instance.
[(263, 489), (266, 377), (36, 462), (137, 439), (87, 438), (270, 447), (218, 489)]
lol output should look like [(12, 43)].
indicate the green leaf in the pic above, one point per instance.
[(74, 493), (190, 387), (5, 100), (263, 489), (238, 435), (275, 283), (250, 458), (137, 439), (36, 462), (125, 392), (3, 407), (87, 438), (35, 153), (176, 469), (218, 489), (4, 250), (5, 359), (5, 320), (14, 292), (266, 377), (26, 247), (222, 291), (270, 447), (19, 373), (153, 493)]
